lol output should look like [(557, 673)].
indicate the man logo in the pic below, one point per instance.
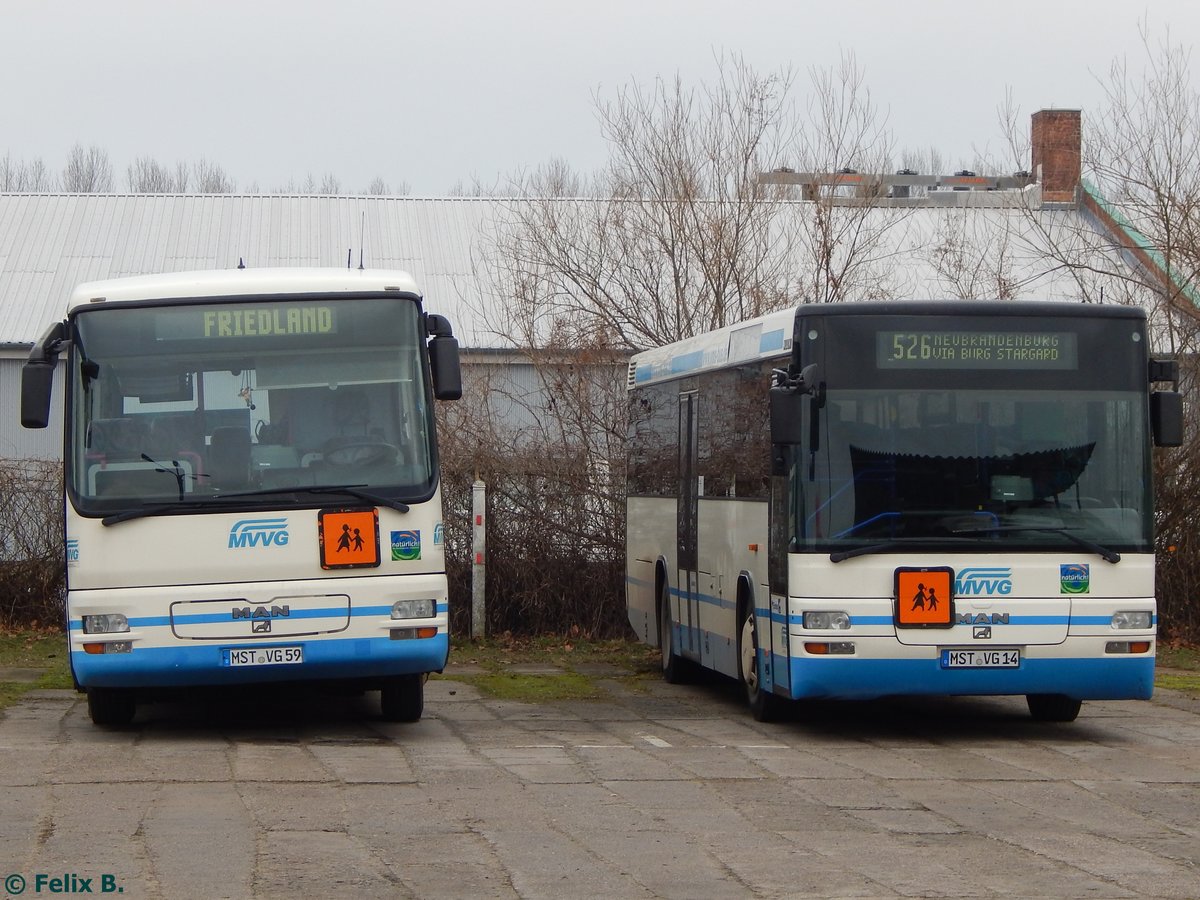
[(258, 533), (982, 633), (260, 626)]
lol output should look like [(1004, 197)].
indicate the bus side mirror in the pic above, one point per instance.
[(447, 373), (37, 383), (786, 414), (1166, 418), (37, 377)]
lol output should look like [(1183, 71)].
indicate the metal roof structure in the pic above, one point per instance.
[(989, 242), (50, 243)]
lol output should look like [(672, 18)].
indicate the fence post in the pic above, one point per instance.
[(478, 559)]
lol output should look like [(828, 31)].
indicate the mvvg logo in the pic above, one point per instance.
[(258, 533), (979, 580)]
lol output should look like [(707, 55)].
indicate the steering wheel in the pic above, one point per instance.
[(365, 453)]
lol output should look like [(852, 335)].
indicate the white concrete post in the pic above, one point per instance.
[(478, 559)]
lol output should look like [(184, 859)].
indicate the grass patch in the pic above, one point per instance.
[(1179, 657), (1175, 681), (1178, 669), (536, 688), (45, 650), (1183, 665), (583, 663), (568, 652)]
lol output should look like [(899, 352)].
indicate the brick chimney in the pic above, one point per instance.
[(1057, 150)]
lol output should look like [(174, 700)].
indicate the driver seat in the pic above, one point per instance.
[(229, 457)]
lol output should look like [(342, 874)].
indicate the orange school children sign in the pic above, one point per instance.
[(349, 538), (924, 597)]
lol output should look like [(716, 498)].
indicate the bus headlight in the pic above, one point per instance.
[(106, 623), (413, 609), (827, 621), (1139, 618)]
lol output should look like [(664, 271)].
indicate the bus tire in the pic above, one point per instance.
[(1053, 707), (111, 706), (764, 706), (402, 699), (674, 666)]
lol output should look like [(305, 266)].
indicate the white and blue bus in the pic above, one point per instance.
[(859, 500), (252, 489)]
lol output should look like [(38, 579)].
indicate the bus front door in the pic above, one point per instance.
[(687, 525)]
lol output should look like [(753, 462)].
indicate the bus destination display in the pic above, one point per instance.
[(1026, 350)]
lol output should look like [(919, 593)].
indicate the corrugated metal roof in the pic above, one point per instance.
[(51, 242)]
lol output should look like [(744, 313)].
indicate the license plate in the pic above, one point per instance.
[(981, 659), (264, 656)]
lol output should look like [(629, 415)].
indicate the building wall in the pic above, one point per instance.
[(17, 442)]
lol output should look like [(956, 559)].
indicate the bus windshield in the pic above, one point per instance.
[(174, 406), (1012, 468)]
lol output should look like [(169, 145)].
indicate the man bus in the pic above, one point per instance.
[(252, 489), (858, 500)]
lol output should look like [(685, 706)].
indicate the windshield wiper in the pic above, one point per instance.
[(213, 502), (156, 509), (1104, 553), (889, 546), (350, 490)]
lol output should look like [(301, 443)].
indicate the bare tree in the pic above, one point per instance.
[(846, 239), (330, 184), (1144, 153), (87, 171), (19, 175), (146, 175), (973, 256), (212, 179), (674, 236), (1141, 152)]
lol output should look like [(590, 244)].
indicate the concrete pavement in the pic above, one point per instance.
[(667, 791)]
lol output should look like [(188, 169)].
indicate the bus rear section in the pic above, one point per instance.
[(252, 483), (920, 498)]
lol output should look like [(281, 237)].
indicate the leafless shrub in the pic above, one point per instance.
[(32, 573)]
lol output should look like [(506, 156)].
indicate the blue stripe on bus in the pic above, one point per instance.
[(189, 664), (704, 598), (687, 361), (847, 678), (208, 618), (880, 620)]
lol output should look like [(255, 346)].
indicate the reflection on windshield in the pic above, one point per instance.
[(221, 420), (1009, 467)]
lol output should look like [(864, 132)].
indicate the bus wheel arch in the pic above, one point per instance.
[(764, 705), (674, 666)]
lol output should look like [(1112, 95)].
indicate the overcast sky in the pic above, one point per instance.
[(438, 92)]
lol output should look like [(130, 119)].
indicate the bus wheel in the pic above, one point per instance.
[(402, 699), (674, 666), (110, 706), (764, 705), (1053, 707)]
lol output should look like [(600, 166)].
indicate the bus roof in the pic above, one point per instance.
[(770, 336), (766, 337), (241, 283)]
